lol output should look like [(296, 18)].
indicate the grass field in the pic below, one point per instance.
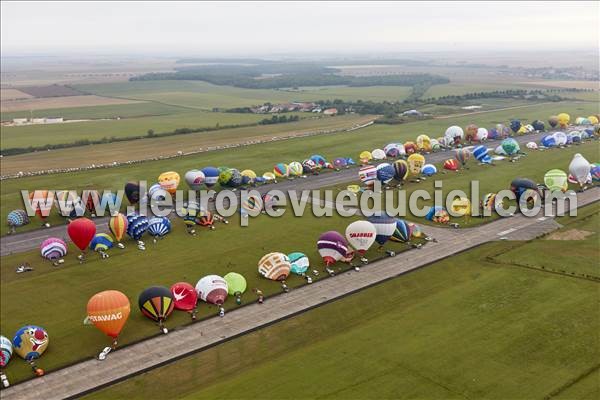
[(459, 88), (460, 328), (52, 103), (60, 307), (259, 157), (204, 95)]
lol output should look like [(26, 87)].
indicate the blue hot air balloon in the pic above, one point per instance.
[(402, 231), (384, 226), (101, 242), (385, 173), (481, 154), (159, 226), (136, 225), (211, 176), (515, 125), (429, 170), (17, 218), (548, 141)]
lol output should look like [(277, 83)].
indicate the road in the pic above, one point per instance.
[(29, 240), (132, 360)]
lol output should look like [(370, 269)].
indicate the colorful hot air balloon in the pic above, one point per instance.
[(157, 193), (368, 174), (156, 303), (109, 311), (17, 218), (185, 296), (81, 231), (30, 342), (548, 141), (510, 146), (248, 176), (159, 226), (435, 145), (212, 289), (438, 214), (281, 170), (340, 163), (471, 132), (481, 154), (385, 173), (461, 206), (384, 226), (169, 181), (429, 170), (101, 242), (392, 150), (462, 155), (194, 179), (6, 350), (361, 235), (136, 226), (225, 175), (455, 134), (415, 163), (274, 266), (423, 143), (53, 249), (580, 169), (556, 180), (332, 247), (410, 148), (299, 263), (400, 170), (563, 119), (365, 157), (319, 160), (118, 226), (236, 283), (295, 168), (269, 177), (451, 164), (489, 202), (211, 176), (402, 232), (378, 154)]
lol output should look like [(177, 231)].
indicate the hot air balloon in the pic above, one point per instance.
[(400, 170), (185, 297), (318, 160), (17, 218), (438, 214), (118, 226), (451, 165), (510, 146), (429, 170), (361, 235), (415, 163), (556, 180), (368, 174), (249, 176), (378, 154), (455, 134), (109, 311), (365, 157), (410, 148), (520, 185), (281, 170), (553, 121), (461, 206), (435, 145), (489, 202), (136, 226), (295, 168), (353, 188), (194, 179), (515, 125), (415, 230), (332, 247), (212, 289), (385, 173), (481, 154), (560, 138), (548, 141), (101, 242), (53, 249), (274, 266), (532, 145), (30, 342), (299, 263), (580, 169), (132, 192), (402, 231), (6, 351), (538, 125), (211, 176), (384, 226), (595, 172), (423, 143), (157, 193), (392, 150), (236, 285), (563, 119), (169, 181), (225, 175), (462, 155), (471, 132), (269, 177), (159, 226), (251, 205), (340, 163), (481, 135), (157, 303), (81, 231)]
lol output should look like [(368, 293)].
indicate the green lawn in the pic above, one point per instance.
[(460, 328), (204, 95), (263, 157)]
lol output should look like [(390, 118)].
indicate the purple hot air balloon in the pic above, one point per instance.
[(332, 247), (53, 248), (340, 163)]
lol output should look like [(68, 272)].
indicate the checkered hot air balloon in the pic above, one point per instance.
[(17, 218), (53, 249)]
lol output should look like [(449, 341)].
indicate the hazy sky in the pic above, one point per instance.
[(242, 28)]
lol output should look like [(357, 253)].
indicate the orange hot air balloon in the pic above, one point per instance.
[(108, 311)]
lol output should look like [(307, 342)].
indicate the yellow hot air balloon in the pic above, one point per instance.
[(415, 163), (365, 157), (593, 119), (461, 206), (248, 173), (522, 130), (169, 181), (563, 119), (423, 143)]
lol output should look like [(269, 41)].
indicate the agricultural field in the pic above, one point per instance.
[(263, 156), (467, 327), (40, 104), (13, 94)]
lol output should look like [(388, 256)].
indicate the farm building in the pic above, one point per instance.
[(330, 111)]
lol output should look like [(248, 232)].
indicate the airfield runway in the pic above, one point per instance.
[(132, 360), (25, 241)]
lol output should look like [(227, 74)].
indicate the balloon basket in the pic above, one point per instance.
[(120, 245), (4, 379), (390, 253), (364, 260), (164, 330), (104, 353), (357, 268)]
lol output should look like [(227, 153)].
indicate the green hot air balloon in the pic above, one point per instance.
[(236, 285), (556, 180)]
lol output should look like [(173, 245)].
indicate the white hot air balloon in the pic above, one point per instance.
[(194, 178), (378, 154), (454, 132), (361, 235), (482, 134), (560, 138), (580, 169), (212, 289)]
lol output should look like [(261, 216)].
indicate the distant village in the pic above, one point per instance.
[(269, 108)]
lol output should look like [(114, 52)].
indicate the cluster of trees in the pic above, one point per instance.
[(496, 94), (278, 119)]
